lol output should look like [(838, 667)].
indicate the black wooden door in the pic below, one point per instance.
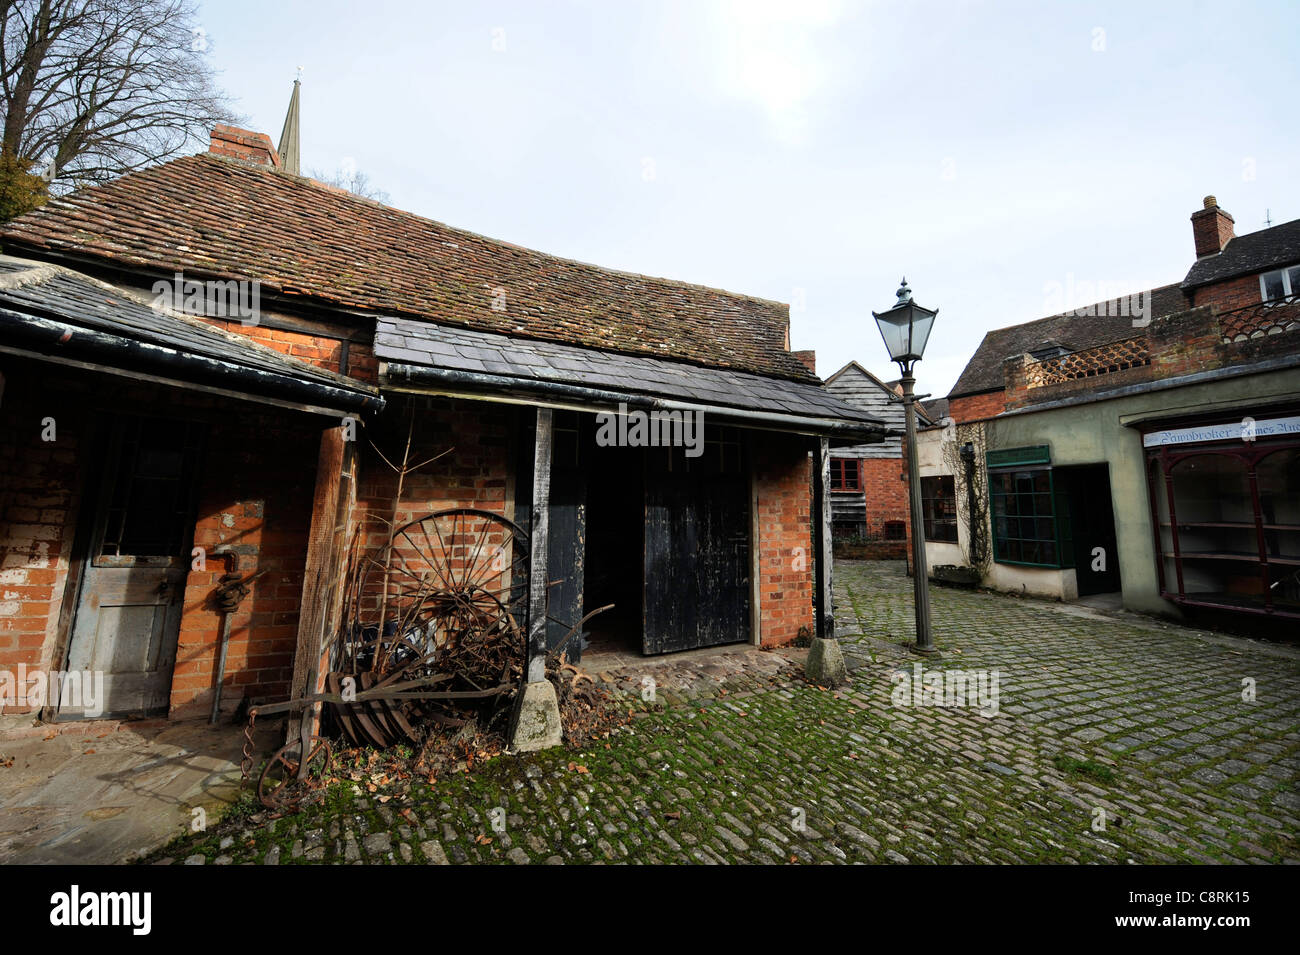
[(697, 557)]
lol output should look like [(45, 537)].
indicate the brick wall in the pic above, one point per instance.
[(254, 492), (39, 501), (783, 485), (1234, 293), (1184, 343), (884, 483), (321, 351), (477, 437), (975, 407), (255, 495)]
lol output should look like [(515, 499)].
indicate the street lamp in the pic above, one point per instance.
[(906, 329)]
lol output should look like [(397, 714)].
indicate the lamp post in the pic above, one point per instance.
[(906, 329)]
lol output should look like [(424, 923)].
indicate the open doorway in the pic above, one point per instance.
[(614, 572), (1092, 521)]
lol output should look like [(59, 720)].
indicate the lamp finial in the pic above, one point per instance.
[(904, 293)]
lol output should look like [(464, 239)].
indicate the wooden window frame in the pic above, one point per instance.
[(932, 503), (843, 473)]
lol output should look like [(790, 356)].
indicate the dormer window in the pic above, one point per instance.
[(1279, 284), (1049, 350)]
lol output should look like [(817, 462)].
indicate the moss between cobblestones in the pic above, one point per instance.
[(1094, 716)]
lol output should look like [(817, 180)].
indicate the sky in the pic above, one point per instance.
[(813, 152)]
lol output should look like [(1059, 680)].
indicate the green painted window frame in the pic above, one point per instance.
[(1048, 516)]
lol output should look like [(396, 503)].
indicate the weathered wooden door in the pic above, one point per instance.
[(128, 611), (697, 556)]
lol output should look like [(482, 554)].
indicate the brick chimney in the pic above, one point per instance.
[(246, 146), (809, 358), (1211, 228)]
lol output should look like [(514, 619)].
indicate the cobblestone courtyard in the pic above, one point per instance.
[(1115, 740)]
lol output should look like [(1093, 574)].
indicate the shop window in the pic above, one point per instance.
[(846, 474), (1228, 526), (1031, 520), (939, 508)]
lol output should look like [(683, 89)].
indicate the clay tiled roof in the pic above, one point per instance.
[(214, 217)]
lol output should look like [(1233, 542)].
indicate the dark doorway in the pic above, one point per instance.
[(1092, 521), (615, 527)]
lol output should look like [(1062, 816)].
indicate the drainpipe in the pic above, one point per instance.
[(231, 590)]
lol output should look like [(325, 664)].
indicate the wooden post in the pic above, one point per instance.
[(823, 538), (321, 586), (537, 589)]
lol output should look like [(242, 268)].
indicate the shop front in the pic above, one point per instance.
[(1225, 510)]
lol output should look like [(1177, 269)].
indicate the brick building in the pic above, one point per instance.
[(1149, 452), (869, 489), (205, 364)]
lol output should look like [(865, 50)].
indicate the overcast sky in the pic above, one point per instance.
[(806, 151)]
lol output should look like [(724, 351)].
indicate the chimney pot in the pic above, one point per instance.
[(1211, 202)]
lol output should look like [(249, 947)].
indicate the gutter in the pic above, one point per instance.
[(426, 379), (54, 340)]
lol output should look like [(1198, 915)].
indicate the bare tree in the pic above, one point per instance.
[(353, 180), (95, 88)]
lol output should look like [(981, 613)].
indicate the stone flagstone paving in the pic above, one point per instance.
[(1116, 739)]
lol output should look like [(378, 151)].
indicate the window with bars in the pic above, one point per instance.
[(939, 508), (1031, 519), (846, 474)]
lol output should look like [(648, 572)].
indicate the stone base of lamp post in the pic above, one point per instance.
[(825, 664)]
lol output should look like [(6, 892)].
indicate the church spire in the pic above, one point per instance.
[(289, 135)]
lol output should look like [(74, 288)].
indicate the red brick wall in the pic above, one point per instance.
[(39, 500), (254, 491), (975, 407), (255, 494), (884, 483), (313, 349), (783, 482), (1234, 293), (473, 474)]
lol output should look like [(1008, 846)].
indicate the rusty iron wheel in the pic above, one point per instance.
[(279, 786)]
